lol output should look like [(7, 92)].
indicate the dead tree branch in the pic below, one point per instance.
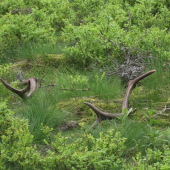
[(134, 59), (77, 89)]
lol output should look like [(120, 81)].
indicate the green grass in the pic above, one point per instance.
[(139, 135), (104, 89), (53, 107), (29, 51), (41, 109)]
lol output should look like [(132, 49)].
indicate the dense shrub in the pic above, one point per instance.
[(18, 151), (87, 152), (15, 142), (25, 21), (153, 160), (115, 26), (88, 25)]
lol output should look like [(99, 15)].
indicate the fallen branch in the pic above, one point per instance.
[(77, 89)]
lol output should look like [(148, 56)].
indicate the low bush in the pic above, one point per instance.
[(105, 152), (19, 152)]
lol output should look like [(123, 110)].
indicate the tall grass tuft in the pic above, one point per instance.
[(40, 110), (99, 85)]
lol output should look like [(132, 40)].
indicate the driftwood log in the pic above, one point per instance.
[(102, 115)]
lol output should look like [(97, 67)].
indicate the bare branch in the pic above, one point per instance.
[(77, 89), (133, 58), (40, 84)]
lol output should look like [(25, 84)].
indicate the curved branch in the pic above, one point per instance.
[(101, 115)]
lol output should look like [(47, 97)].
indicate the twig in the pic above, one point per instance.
[(41, 80), (78, 89)]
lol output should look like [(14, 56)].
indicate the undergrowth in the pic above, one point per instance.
[(70, 47), (60, 100)]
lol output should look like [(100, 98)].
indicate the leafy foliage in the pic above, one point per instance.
[(154, 159), (84, 153), (87, 26), (87, 152), (94, 32), (39, 24), (15, 140), (129, 28)]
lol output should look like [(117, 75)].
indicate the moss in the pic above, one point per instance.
[(159, 117), (24, 65), (54, 60), (83, 113), (138, 93)]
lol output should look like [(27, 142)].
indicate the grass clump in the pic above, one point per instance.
[(41, 110)]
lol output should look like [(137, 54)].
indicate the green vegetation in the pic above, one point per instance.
[(85, 51)]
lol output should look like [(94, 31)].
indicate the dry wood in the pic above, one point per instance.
[(77, 89)]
